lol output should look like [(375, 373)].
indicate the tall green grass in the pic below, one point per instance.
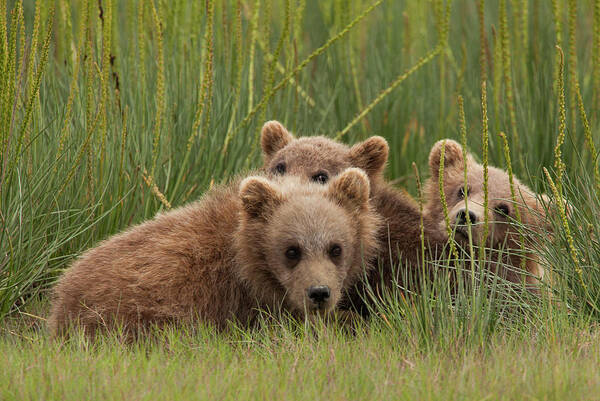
[(111, 111)]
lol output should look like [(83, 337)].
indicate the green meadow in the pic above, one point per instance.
[(112, 111)]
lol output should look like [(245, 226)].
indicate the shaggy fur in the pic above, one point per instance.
[(501, 209), (319, 158), (225, 256)]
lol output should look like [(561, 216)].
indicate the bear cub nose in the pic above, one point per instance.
[(318, 293), (461, 217)]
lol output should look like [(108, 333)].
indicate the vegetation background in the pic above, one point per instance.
[(111, 111)]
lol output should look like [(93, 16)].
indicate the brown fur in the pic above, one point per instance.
[(223, 257), (400, 237), (502, 234)]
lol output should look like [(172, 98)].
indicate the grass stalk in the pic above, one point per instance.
[(237, 86), (9, 80), (589, 140), (253, 36), (442, 191), (463, 137), (157, 18), (513, 194), (572, 65), (596, 59), (482, 40), (507, 72), (106, 7), (73, 87), (558, 29), (559, 165), (420, 201), (141, 43), (497, 78), (485, 155), (271, 65), (303, 94)]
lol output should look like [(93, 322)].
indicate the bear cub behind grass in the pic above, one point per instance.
[(502, 211), (274, 244), (319, 158)]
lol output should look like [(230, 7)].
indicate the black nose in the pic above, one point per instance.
[(461, 217), (318, 293)]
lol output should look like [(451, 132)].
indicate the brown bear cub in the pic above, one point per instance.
[(502, 211), (274, 244), (319, 158)]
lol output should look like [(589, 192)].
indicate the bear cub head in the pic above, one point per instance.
[(319, 158), (502, 211), (300, 245)]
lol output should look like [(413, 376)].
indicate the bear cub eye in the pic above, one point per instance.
[(335, 251), (461, 192), (293, 253), (502, 209), (321, 177), (280, 168)]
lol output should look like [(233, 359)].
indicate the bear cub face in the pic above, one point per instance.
[(501, 208), (302, 244), (319, 158)]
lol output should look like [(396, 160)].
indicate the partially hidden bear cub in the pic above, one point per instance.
[(275, 244), (502, 211), (319, 158)]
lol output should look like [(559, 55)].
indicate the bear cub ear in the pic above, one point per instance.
[(453, 156), (273, 138), (351, 189), (259, 197), (370, 155)]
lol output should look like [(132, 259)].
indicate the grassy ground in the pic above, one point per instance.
[(112, 111)]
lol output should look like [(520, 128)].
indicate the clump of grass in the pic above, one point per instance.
[(205, 92), (560, 204), (266, 98), (55, 202), (402, 77)]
